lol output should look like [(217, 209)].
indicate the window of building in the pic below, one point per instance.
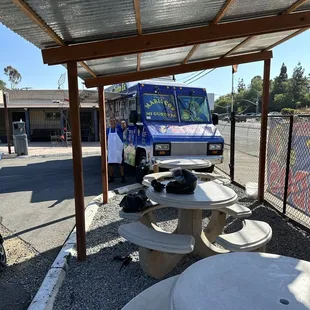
[(52, 116)]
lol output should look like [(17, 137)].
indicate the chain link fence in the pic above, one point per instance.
[(287, 178), (288, 169)]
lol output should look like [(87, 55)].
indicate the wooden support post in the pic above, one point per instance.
[(77, 160), (7, 123), (263, 137), (103, 143)]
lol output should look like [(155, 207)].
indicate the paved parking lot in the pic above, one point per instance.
[(36, 216)]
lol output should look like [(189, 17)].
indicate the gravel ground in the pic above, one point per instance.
[(26, 269), (100, 284)]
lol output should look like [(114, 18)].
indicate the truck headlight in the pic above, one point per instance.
[(162, 147), (215, 147)]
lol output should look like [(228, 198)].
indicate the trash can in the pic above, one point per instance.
[(20, 139)]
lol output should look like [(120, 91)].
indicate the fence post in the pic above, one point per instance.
[(288, 161), (263, 131), (232, 146)]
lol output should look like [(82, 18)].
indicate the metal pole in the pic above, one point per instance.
[(263, 137), (7, 123), (77, 160), (103, 143), (288, 160), (232, 133)]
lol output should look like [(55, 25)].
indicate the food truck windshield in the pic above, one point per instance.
[(194, 109), (160, 107)]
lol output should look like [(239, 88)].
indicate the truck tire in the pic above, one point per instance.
[(2, 256), (141, 169)]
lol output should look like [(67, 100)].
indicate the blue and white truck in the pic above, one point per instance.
[(166, 120)]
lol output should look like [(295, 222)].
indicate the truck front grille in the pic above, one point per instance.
[(189, 148)]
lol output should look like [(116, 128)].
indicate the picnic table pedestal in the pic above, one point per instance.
[(207, 196)]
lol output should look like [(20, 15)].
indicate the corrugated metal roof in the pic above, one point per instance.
[(76, 21), (263, 41), (245, 9), (163, 15)]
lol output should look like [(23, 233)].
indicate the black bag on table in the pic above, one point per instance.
[(134, 202)]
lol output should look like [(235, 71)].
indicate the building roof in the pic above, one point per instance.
[(48, 98), (117, 38), (46, 94)]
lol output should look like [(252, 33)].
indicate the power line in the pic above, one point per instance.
[(202, 75), (197, 74), (189, 76)]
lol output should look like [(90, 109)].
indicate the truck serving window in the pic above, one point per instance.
[(193, 109), (160, 107)]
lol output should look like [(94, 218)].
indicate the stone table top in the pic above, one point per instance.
[(240, 281), (207, 196)]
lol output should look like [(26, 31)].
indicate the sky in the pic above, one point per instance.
[(27, 59)]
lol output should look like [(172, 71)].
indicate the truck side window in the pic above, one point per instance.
[(132, 104)]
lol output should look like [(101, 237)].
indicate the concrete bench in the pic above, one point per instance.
[(237, 211), (154, 298), (136, 216), (252, 237), (149, 238)]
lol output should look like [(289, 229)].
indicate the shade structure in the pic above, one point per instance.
[(65, 25), (123, 40)]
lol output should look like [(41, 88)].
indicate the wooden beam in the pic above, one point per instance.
[(216, 20), (285, 39), (239, 45), (263, 131), (39, 22), (222, 12), (138, 62), (177, 38), (139, 28), (138, 16), (294, 6), (191, 53), (103, 144), (289, 10), (178, 69), (74, 103), (89, 70)]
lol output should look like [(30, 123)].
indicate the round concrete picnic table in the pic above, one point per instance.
[(207, 196), (240, 281), (185, 163)]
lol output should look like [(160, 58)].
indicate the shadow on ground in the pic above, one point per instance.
[(52, 180), (99, 283)]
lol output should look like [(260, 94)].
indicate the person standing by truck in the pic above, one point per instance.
[(115, 149)]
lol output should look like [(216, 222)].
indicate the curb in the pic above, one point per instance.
[(59, 155), (45, 297), (11, 156)]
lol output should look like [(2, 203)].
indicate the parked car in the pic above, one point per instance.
[(240, 118), (274, 114)]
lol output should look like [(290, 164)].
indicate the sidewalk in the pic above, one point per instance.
[(45, 149)]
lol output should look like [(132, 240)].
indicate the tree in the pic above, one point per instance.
[(299, 85), (283, 73), (241, 86), (2, 85), (13, 75)]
